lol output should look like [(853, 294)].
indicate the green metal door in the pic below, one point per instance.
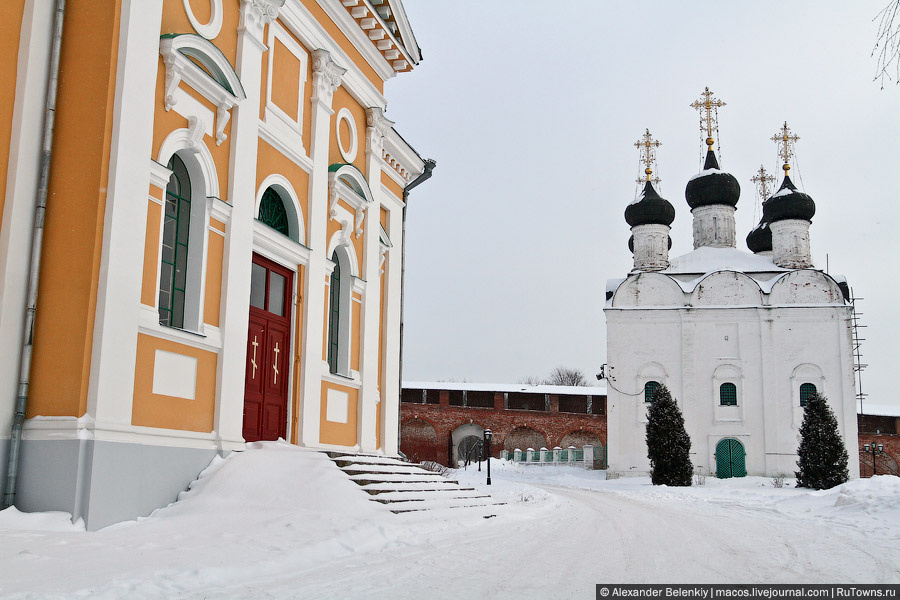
[(730, 459)]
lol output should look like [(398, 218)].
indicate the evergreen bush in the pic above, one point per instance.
[(668, 444), (822, 454)]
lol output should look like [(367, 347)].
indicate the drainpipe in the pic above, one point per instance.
[(429, 167), (37, 237)]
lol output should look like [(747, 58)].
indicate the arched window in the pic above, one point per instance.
[(727, 394), (339, 311), (273, 213), (807, 391), (649, 389), (175, 244), (334, 315)]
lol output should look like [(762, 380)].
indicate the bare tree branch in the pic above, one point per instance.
[(887, 44)]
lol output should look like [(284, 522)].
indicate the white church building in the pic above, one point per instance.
[(740, 339)]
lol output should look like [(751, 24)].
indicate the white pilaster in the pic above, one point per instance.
[(111, 387), (714, 226), (21, 188), (326, 79), (790, 244), (235, 303), (391, 392), (651, 247), (377, 126)]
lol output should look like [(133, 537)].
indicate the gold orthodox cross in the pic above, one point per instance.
[(708, 106), (763, 180), (275, 364), (253, 360), (785, 140), (647, 146)]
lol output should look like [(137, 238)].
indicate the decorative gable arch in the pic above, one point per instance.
[(347, 183), (199, 63)]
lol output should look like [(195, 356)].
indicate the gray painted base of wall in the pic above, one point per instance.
[(104, 482)]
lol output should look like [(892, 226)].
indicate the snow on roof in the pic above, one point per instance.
[(704, 173), (505, 387), (879, 410), (707, 260)]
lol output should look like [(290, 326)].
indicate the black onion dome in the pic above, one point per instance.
[(760, 238), (713, 187), (651, 208), (788, 203)]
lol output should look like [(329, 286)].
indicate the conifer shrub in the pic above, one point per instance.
[(822, 456), (668, 444)]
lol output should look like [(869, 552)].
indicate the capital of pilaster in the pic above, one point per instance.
[(255, 15), (326, 77), (377, 126)]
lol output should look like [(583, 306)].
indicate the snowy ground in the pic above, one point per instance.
[(282, 522)]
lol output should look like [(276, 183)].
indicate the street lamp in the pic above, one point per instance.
[(873, 449), (487, 441)]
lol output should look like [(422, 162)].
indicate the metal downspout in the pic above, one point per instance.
[(430, 164), (12, 467)]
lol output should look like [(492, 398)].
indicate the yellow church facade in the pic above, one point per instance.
[(221, 250)]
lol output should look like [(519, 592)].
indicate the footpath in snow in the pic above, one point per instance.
[(278, 521)]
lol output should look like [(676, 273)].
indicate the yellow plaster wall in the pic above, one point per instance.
[(270, 161), (298, 344), (343, 99), (334, 226), (10, 28), (175, 20), (355, 332), (216, 252), (277, 90), (285, 79), (155, 410), (339, 434), (392, 185), (151, 253), (334, 31), (73, 234)]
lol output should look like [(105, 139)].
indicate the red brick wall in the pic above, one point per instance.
[(888, 462), (554, 426)]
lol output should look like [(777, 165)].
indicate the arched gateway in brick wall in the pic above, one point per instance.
[(519, 416)]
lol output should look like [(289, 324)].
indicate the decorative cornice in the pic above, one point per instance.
[(377, 127), (326, 77), (255, 15)]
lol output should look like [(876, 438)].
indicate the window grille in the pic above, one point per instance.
[(272, 212), (727, 394), (175, 240), (807, 391), (649, 389)]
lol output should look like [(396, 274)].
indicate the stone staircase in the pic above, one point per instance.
[(407, 487)]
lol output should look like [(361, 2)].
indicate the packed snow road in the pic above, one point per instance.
[(279, 522), (589, 536)]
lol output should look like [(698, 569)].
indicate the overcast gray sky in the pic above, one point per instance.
[(531, 110)]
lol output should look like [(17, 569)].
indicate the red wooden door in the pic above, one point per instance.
[(268, 351)]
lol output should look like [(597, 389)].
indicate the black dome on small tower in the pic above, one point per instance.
[(789, 203), (649, 209), (760, 238), (712, 186)]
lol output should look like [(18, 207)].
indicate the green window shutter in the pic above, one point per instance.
[(175, 243), (334, 315), (649, 389), (807, 391), (728, 394), (272, 212)]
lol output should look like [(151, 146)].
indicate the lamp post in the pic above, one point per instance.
[(873, 449), (487, 441)]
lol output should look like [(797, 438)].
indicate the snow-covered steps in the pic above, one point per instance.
[(407, 487)]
